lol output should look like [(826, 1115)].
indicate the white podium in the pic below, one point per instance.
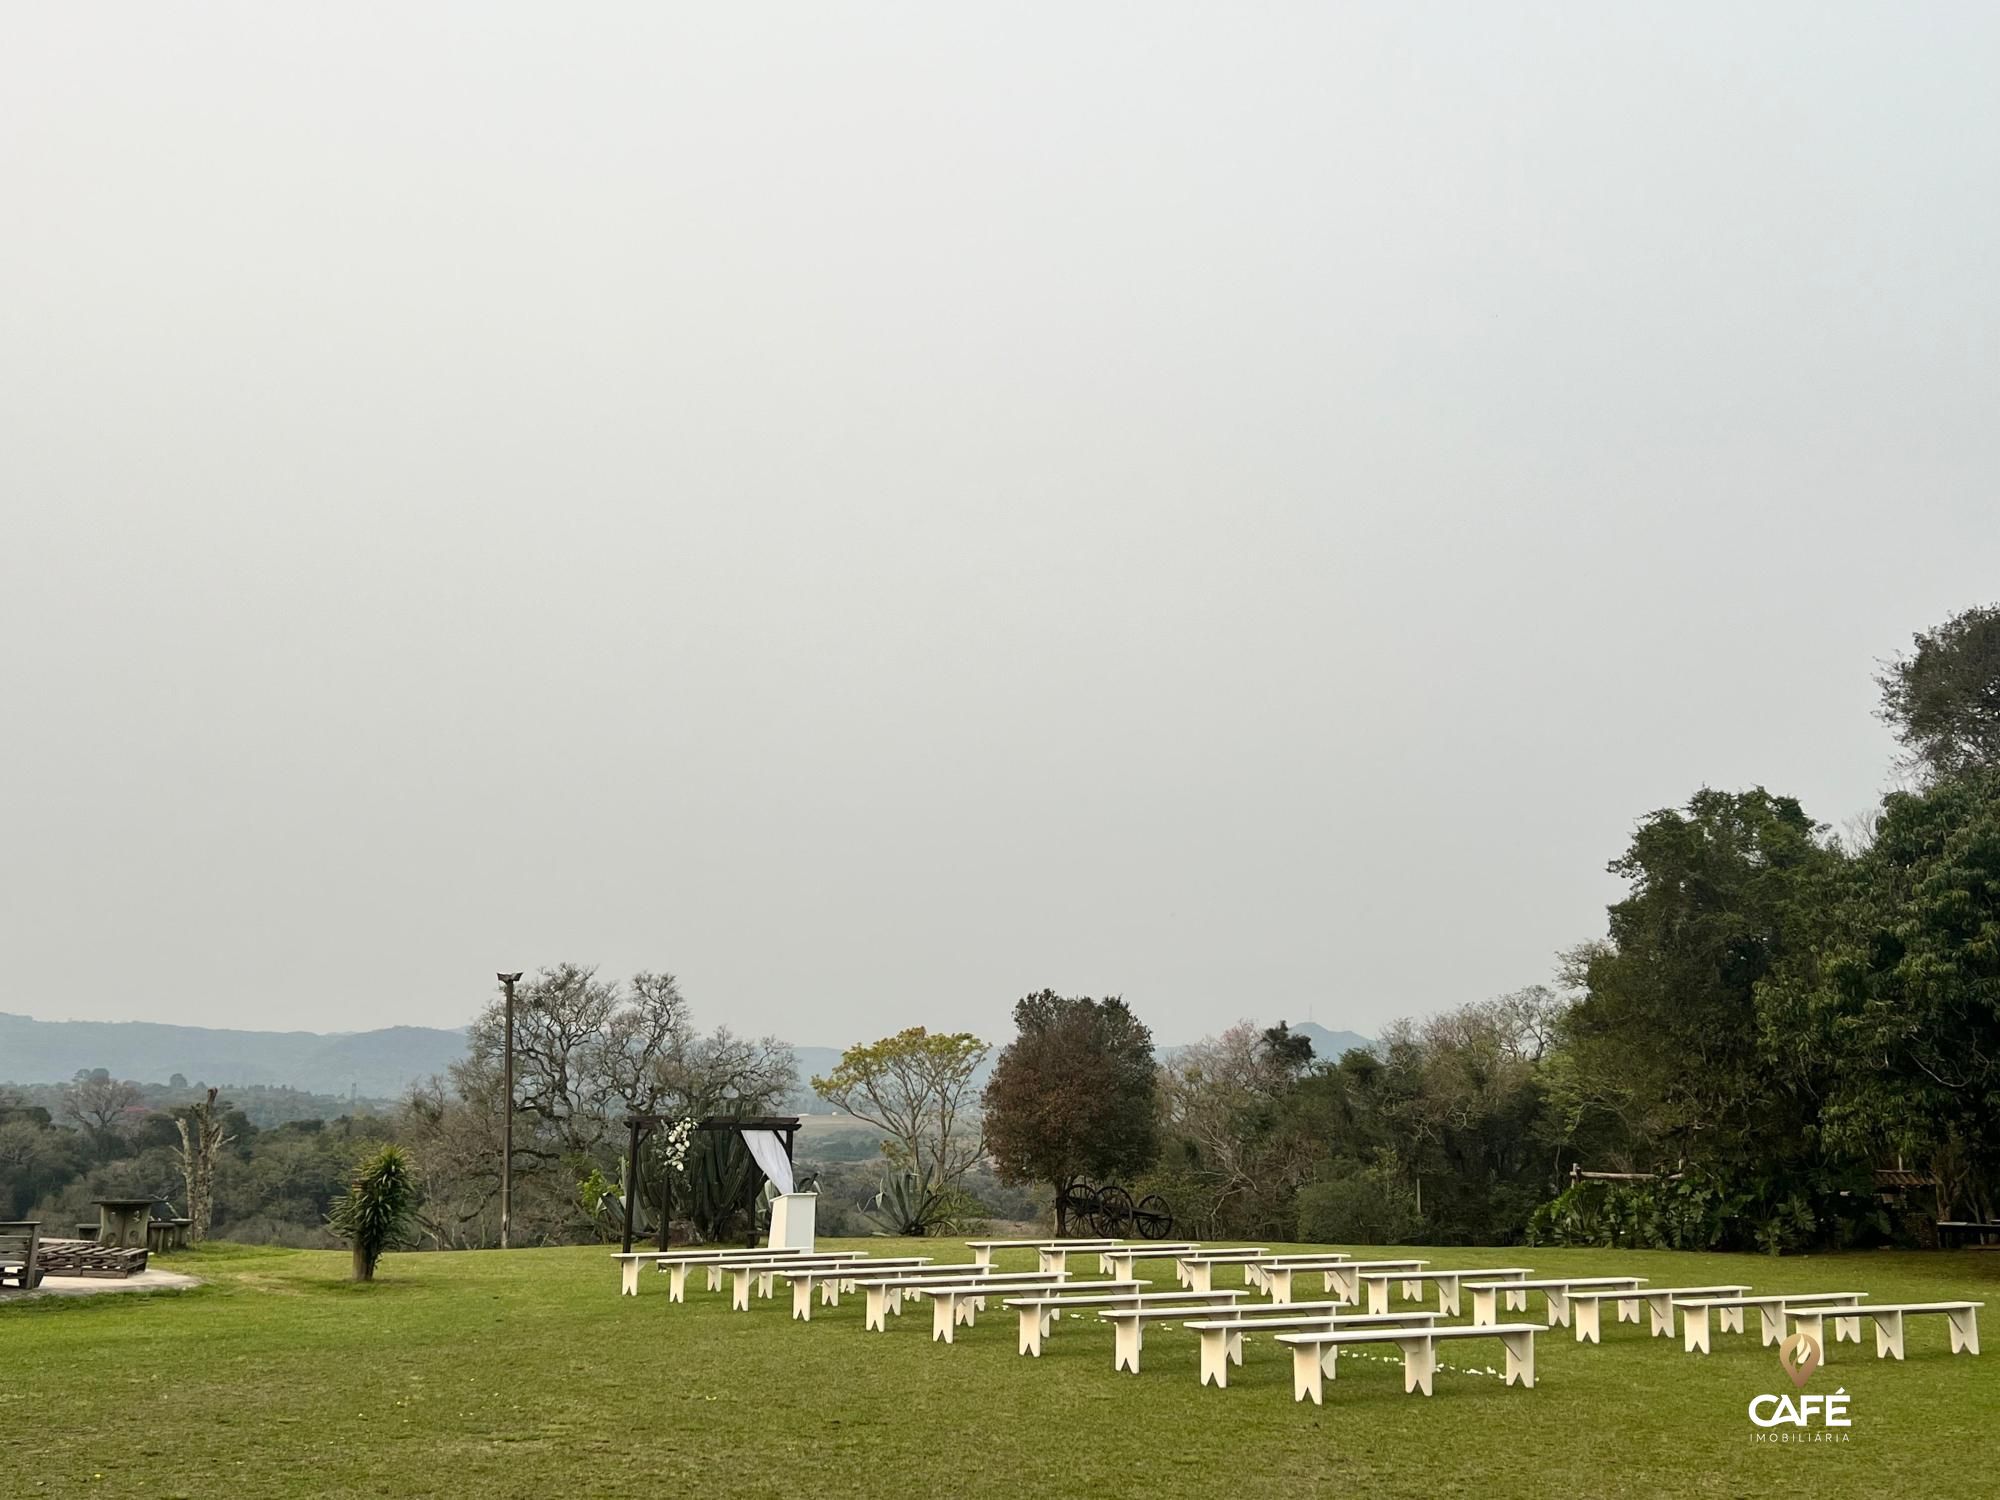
[(792, 1216)]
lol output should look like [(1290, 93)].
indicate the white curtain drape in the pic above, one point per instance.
[(769, 1153)]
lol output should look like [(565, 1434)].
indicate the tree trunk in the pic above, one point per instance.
[(364, 1268)]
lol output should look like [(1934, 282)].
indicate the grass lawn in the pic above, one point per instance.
[(526, 1374)]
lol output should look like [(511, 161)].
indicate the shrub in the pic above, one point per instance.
[(1366, 1207), (376, 1213)]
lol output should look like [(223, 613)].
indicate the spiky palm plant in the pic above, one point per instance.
[(375, 1215)]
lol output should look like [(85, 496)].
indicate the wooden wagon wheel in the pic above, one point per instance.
[(1115, 1213), (1152, 1218)]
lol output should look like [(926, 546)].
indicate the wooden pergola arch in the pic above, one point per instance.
[(786, 1126)]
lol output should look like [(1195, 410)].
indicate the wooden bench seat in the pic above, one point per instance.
[(1587, 1307), (1888, 1317), (629, 1262), (20, 1253), (1314, 1352), (1344, 1278), (1128, 1324), (983, 1251), (830, 1278), (764, 1273), (1729, 1311), (962, 1295), (1376, 1284), (1487, 1295), (1039, 1311), (1196, 1272), (1222, 1338)]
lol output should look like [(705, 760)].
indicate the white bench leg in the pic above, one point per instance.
[(1448, 1296), (1031, 1331), (1628, 1309), (875, 1315), (1329, 1362), (1484, 1312), (1413, 1289), (1847, 1330), (982, 1255), (1889, 1335), (739, 1291), (1419, 1364), (1236, 1348), (1201, 1277), (714, 1278), (1814, 1323), (1662, 1310), (1558, 1307), (628, 1278), (1694, 1329), (1305, 1374), (1964, 1331), (1378, 1293), (1520, 1358), (802, 1299), (1588, 1330), (896, 1301), (1125, 1344), (1773, 1320), (1517, 1301), (1214, 1358), (966, 1309), (677, 1284), (766, 1285), (1253, 1275), (944, 1317), (1278, 1282), (829, 1292), (1731, 1319), (1345, 1285)]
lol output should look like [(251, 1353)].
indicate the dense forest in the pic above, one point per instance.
[(1784, 1039)]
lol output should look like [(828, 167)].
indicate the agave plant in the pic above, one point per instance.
[(905, 1205)]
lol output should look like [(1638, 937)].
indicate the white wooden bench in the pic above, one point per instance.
[(1376, 1284), (1128, 1324), (1123, 1260), (982, 1250), (959, 1302), (1486, 1295), (1196, 1272), (1773, 1308), (1275, 1273), (831, 1278), (762, 1271), (1039, 1311), (1222, 1338), (1314, 1352), (1344, 1279), (1888, 1317), (885, 1293), (629, 1262), (1586, 1307)]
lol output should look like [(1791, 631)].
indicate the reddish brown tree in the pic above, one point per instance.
[(1074, 1095)]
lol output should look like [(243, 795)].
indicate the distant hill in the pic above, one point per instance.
[(380, 1064), (1328, 1045)]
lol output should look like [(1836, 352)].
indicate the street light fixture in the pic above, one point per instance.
[(507, 1137)]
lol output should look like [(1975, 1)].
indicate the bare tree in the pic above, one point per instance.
[(97, 1102), (202, 1136)]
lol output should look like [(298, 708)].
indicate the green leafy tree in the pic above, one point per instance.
[(1667, 1026), (1943, 699), (917, 1088), (1075, 1095), (378, 1213), (1898, 1012)]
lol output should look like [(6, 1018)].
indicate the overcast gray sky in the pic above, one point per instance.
[(881, 508)]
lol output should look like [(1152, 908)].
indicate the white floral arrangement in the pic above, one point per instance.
[(673, 1143)]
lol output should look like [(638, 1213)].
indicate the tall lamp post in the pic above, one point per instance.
[(507, 1135)]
